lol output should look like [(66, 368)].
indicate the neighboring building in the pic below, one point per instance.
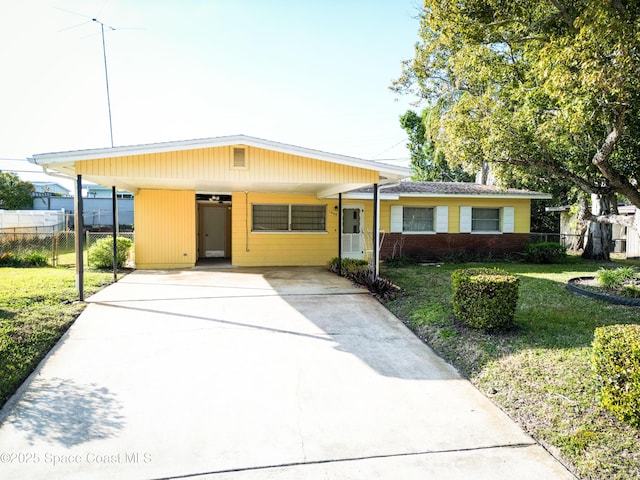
[(99, 191), (625, 240), (42, 189), (264, 203)]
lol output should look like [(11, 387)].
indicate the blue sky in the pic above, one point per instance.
[(308, 73)]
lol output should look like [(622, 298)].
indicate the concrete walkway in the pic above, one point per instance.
[(287, 373)]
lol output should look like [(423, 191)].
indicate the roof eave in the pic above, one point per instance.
[(532, 195), (391, 171)]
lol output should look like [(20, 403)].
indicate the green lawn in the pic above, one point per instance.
[(36, 308), (539, 373)]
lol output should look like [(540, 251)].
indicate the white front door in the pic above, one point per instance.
[(215, 231), (353, 231)]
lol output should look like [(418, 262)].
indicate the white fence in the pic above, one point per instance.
[(32, 221), (97, 211), (633, 243)]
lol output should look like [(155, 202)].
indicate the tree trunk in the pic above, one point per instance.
[(598, 244), (578, 240)]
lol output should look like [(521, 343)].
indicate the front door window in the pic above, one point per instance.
[(352, 235)]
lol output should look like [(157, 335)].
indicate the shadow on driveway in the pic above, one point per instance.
[(67, 413)]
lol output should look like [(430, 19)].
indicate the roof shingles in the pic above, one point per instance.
[(452, 188)]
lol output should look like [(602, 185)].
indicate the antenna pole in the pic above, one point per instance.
[(106, 77)]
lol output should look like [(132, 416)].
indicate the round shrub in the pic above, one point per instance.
[(100, 254), (485, 298), (616, 362)]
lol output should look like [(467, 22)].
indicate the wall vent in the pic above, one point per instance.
[(239, 160)]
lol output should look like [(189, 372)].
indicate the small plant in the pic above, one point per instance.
[(8, 259), (35, 259), (485, 298), (545, 252), (616, 362), (380, 286), (615, 278), (400, 261), (100, 254), (26, 259), (631, 291)]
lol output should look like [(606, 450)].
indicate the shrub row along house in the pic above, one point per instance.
[(264, 203)]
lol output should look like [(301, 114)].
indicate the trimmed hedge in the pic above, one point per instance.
[(349, 265), (545, 252), (616, 362), (485, 298)]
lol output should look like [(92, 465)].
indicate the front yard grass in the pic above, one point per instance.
[(540, 372), (36, 308)]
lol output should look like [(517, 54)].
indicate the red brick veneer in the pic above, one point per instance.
[(443, 244)]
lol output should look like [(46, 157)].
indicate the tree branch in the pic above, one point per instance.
[(612, 219), (558, 171), (619, 182), (619, 7), (567, 13)]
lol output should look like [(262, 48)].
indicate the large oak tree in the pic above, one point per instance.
[(428, 164), (538, 89)]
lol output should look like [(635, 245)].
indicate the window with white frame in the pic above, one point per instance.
[(413, 219), (289, 218), (485, 219), (417, 219)]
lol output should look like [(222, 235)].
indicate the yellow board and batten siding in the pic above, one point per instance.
[(165, 228), (165, 222), (286, 248), (215, 163)]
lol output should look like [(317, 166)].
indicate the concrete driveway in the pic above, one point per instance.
[(287, 373)]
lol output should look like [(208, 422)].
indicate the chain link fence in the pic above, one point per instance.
[(57, 246), (575, 241)]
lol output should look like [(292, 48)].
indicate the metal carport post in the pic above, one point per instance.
[(114, 206), (79, 226)]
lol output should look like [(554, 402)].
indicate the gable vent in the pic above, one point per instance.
[(239, 158)]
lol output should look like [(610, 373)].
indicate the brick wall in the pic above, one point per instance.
[(444, 244)]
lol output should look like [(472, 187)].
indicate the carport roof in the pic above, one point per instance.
[(64, 160)]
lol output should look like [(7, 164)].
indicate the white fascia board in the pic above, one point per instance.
[(391, 171), (536, 196), (369, 196)]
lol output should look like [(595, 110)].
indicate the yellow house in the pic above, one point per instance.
[(262, 203)]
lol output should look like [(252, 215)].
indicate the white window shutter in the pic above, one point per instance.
[(508, 220), (465, 219), (396, 219), (442, 219)]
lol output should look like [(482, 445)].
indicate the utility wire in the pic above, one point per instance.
[(391, 147)]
